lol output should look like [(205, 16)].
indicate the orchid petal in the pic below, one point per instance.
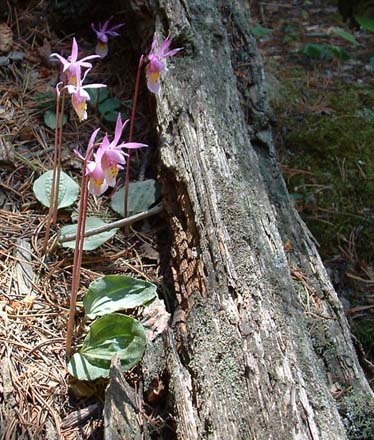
[(153, 86), (74, 51), (93, 86), (163, 46), (92, 138), (134, 145), (101, 49), (172, 52), (115, 27), (153, 45), (112, 33), (118, 130), (61, 58), (89, 57)]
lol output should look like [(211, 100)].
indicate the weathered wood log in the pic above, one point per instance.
[(120, 410), (260, 341)]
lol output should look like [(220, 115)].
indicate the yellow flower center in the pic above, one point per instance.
[(155, 76), (73, 80)]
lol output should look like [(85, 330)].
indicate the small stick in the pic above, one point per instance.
[(117, 224), (135, 100)]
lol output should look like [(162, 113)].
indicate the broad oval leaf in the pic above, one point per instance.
[(50, 119), (112, 293), (109, 335), (85, 369), (366, 23), (260, 31), (68, 189), (90, 243), (346, 36), (142, 195)]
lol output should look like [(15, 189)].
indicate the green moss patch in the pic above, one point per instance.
[(328, 156)]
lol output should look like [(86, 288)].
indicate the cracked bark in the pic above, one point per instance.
[(259, 337)]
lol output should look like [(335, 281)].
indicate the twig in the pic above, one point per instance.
[(117, 224)]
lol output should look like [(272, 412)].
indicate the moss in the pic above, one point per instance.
[(328, 136), (357, 411)]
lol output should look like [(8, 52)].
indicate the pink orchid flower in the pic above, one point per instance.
[(155, 66), (96, 175), (72, 66), (113, 157), (103, 34), (108, 160), (79, 98)]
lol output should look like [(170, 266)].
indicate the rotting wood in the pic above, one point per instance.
[(120, 410), (249, 363)]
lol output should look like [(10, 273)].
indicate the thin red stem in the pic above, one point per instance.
[(78, 252), (55, 175), (132, 120), (60, 122)]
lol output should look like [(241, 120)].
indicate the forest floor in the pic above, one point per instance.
[(323, 124), (38, 399), (320, 77)]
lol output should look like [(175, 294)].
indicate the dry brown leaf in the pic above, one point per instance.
[(155, 318)]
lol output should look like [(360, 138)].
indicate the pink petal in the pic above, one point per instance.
[(153, 87), (74, 51), (92, 138), (172, 52), (117, 131), (163, 46), (134, 145)]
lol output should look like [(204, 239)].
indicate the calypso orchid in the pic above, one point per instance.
[(72, 66), (103, 34), (108, 160), (79, 98), (155, 66)]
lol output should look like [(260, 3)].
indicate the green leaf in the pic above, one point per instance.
[(110, 105), (111, 116), (97, 95), (50, 119), (346, 36), (365, 22), (112, 293), (313, 50), (339, 52), (142, 195), (109, 335), (68, 189), (260, 31), (90, 243), (86, 369)]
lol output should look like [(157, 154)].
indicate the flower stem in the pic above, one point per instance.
[(60, 121), (78, 251), (53, 201), (135, 100)]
